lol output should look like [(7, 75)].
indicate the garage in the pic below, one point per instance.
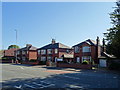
[(102, 62)]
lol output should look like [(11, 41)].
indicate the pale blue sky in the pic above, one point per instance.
[(69, 23)]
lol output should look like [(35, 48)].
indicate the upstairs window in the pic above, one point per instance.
[(18, 52), (43, 51), (38, 51), (76, 49), (56, 51), (23, 52), (86, 49), (49, 51)]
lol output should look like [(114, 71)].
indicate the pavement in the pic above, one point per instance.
[(42, 77)]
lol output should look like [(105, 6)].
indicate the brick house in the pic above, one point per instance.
[(8, 55), (55, 52), (88, 50), (26, 54)]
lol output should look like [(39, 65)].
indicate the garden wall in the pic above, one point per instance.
[(75, 65)]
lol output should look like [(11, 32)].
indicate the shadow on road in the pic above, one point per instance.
[(68, 81)]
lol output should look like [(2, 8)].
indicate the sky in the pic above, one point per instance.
[(68, 22)]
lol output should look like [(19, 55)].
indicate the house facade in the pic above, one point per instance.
[(88, 50), (9, 55), (55, 52), (27, 54)]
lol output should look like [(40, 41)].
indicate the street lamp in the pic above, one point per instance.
[(16, 46)]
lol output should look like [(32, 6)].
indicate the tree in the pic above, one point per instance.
[(13, 46), (113, 34)]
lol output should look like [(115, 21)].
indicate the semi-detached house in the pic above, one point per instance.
[(55, 52), (88, 50)]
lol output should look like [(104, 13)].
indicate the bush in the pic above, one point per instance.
[(85, 62), (114, 66), (33, 60)]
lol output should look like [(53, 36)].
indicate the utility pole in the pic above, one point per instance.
[(16, 48)]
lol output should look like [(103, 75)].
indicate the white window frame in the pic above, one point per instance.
[(77, 50), (49, 58), (43, 51), (78, 59), (38, 51), (18, 52), (23, 58), (43, 58), (86, 49), (56, 51), (23, 52), (49, 51)]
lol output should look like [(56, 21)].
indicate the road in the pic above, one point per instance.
[(40, 77)]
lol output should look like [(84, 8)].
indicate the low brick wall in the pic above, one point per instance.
[(75, 65), (31, 63)]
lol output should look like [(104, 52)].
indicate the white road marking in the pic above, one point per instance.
[(29, 86), (21, 67), (44, 82), (18, 86), (37, 84), (47, 85), (43, 86), (71, 77)]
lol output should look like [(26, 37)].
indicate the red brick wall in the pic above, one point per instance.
[(32, 54), (61, 51), (92, 53), (75, 65)]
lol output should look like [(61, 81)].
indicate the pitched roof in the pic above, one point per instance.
[(56, 45), (28, 48), (89, 41), (9, 52)]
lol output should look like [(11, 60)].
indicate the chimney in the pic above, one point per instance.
[(103, 45), (53, 41), (28, 45), (98, 41)]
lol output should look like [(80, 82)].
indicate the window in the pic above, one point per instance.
[(56, 50), (49, 58), (23, 52), (23, 58), (18, 52), (38, 51), (86, 58), (76, 49), (78, 59), (49, 51), (43, 58), (86, 49), (67, 51), (43, 51)]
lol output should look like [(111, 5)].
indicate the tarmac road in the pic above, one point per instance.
[(40, 77)]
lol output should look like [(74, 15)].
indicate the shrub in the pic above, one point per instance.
[(85, 62), (32, 60), (114, 66)]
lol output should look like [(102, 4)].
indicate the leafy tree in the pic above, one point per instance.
[(113, 34), (13, 46)]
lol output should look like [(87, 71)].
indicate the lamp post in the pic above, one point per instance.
[(16, 48)]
